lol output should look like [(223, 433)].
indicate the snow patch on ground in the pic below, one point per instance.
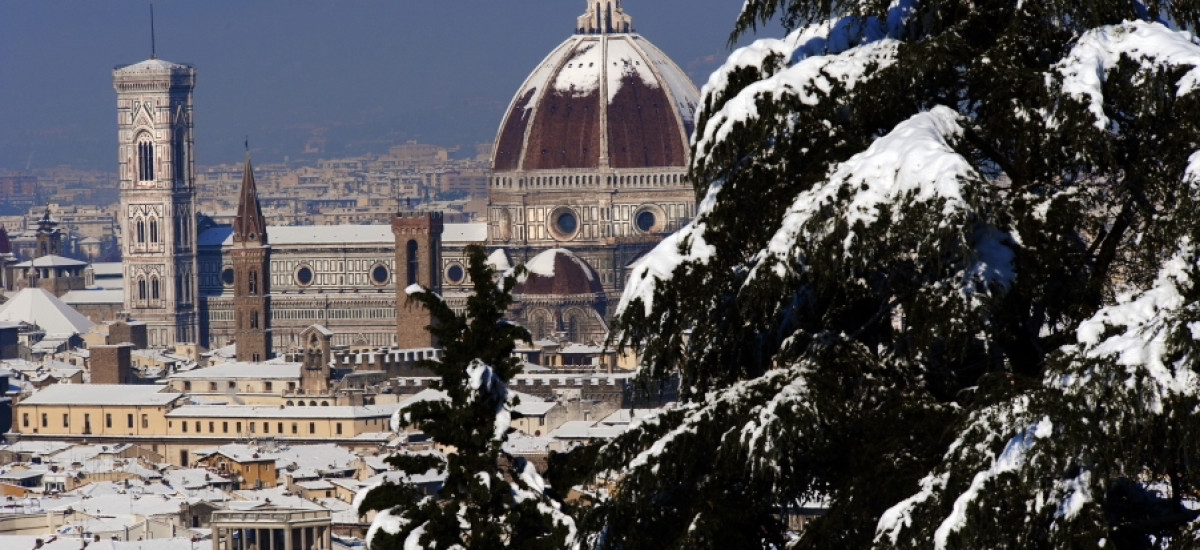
[(1152, 45)]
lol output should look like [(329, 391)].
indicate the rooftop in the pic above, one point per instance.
[(101, 394), (341, 235), (253, 411), (35, 306), (257, 371)]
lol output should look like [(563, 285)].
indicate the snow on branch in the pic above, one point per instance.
[(684, 246), (1151, 45), (1134, 334), (915, 163), (484, 382), (809, 80)]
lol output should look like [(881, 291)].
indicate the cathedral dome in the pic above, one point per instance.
[(559, 272), (606, 98)]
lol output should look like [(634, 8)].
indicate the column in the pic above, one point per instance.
[(304, 538), (287, 538)]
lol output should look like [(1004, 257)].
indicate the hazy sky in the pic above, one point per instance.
[(365, 73)]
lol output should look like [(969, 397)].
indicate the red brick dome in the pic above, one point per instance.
[(559, 272), (599, 100)]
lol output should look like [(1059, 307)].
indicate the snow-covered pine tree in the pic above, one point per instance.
[(943, 280), (489, 499)]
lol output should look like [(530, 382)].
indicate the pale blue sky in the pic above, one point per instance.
[(370, 72)]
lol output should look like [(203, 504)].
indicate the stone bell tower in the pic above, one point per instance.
[(418, 262), (251, 275), (158, 197)]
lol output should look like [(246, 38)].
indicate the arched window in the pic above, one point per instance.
[(141, 288), (253, 282), (145, 159), (413, 264), (153, 230), (141, 231), (154, 291), (178, 160)]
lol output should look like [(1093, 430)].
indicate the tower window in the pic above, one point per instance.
[(145, 159), (253, 282), (254, 319), (141, 289), (154, 290), (141, 231), (413, 264), (153, 230)]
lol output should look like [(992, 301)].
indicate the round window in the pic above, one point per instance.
[(645, 221), (227, 276), (565, 223), (455, 274), (304, 276), (380, 274)]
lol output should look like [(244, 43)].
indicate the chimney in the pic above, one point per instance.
[(112, 364)]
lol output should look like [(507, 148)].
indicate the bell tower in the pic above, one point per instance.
[(418, 262), (251, 275), (158, 197)]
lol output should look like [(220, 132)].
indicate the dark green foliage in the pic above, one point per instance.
[(483, 503), (863, 361)]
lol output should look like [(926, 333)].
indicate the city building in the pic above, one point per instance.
[(158, 197)]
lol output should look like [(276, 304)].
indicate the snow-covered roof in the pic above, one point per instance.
[(98, 296), (227, 371), (108, 269), (585, 429), (464, 232), (651, 108), (35, 306), (252, 411), (152, 65), (498, 260), (51, 261), (534, 408), (101, 394), (345, 234)]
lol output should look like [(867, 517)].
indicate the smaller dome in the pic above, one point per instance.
[(559, 272)]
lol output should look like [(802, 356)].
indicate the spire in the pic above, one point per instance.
[(249, 225), (604, 17), (153, 46), (47, 223)]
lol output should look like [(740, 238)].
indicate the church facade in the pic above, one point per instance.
[(589, 172)]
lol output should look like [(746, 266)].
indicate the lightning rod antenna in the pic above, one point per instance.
[(152, 45)]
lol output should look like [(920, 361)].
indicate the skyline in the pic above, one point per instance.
[(282, 73)]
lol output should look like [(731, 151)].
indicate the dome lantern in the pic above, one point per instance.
[(604, 17)]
